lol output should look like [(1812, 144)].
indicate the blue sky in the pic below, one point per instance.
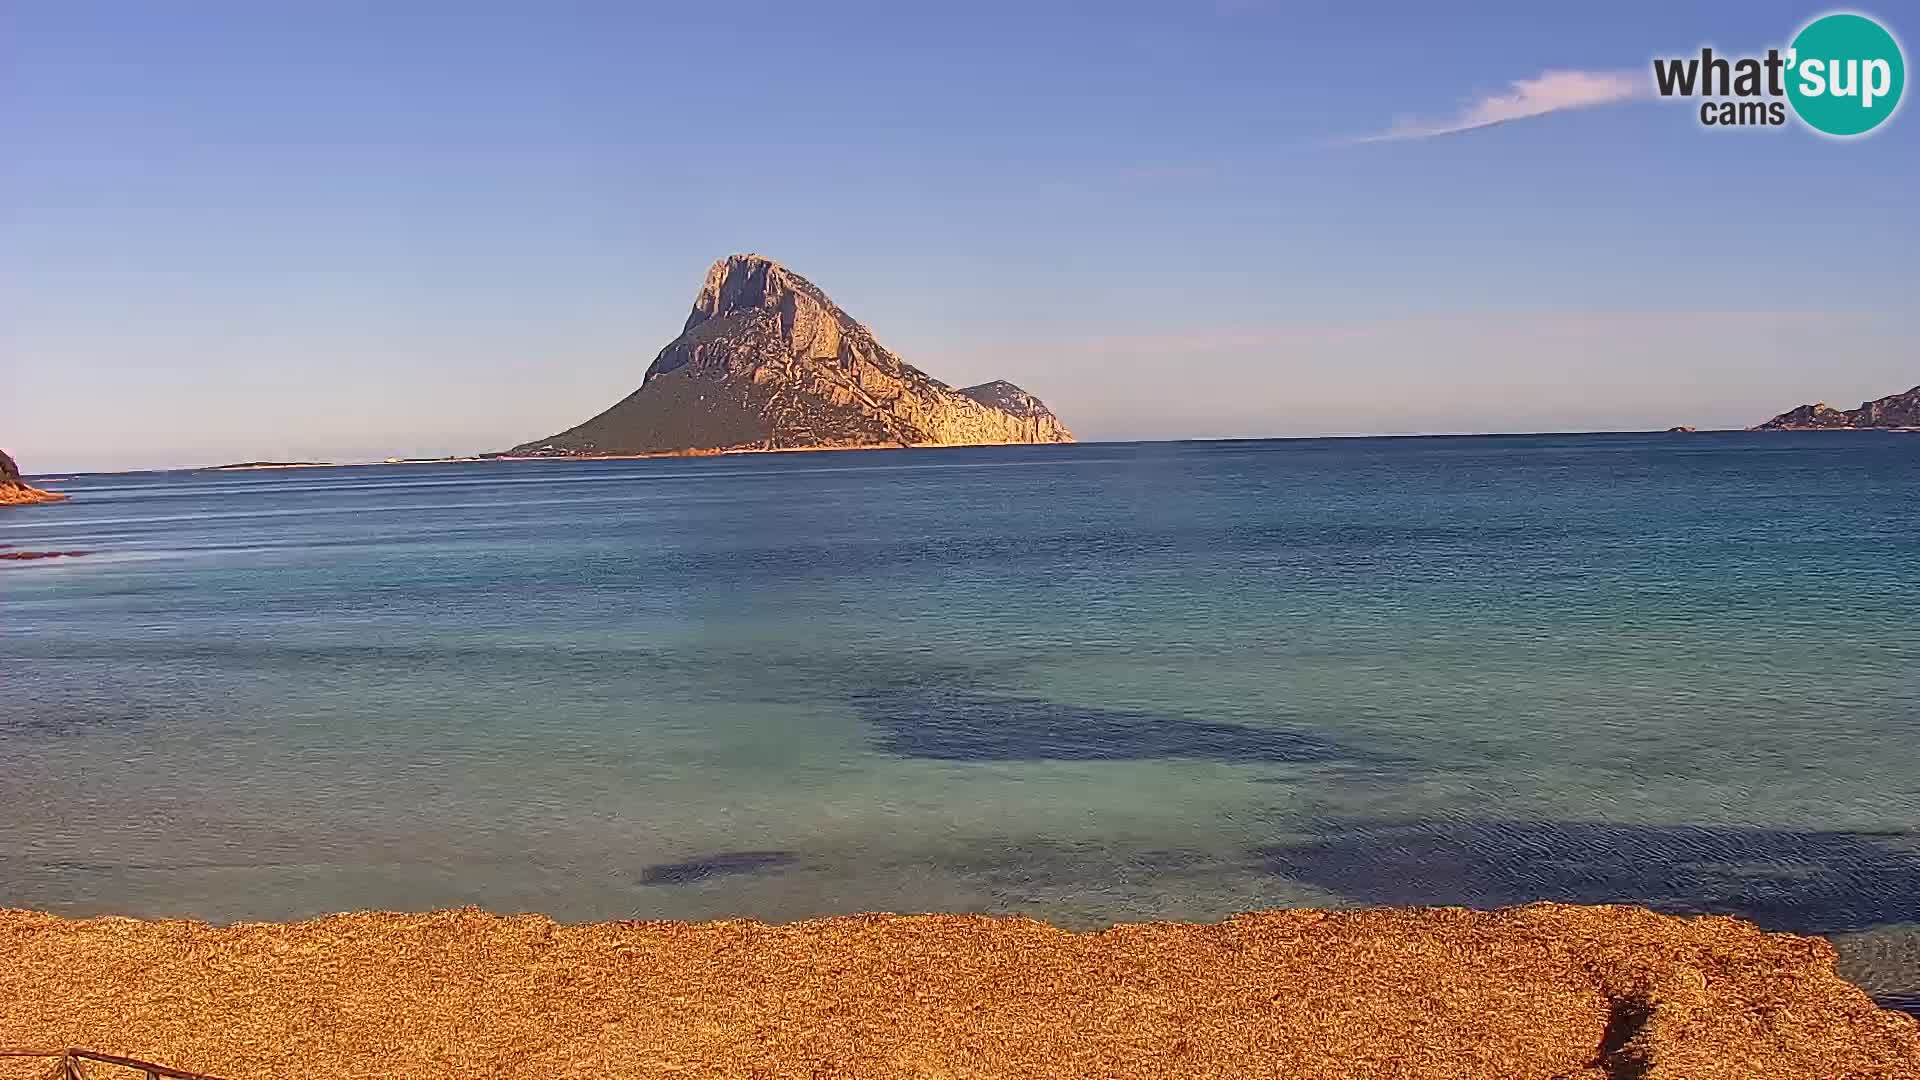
[(354, 229)]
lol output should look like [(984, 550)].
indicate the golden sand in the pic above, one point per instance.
[(1546, 991)]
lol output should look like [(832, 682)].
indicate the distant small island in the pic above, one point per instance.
[(244, 466), (1895, 412)]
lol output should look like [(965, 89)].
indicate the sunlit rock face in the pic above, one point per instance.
[(15, 491), (1892, 411), (767, 362)]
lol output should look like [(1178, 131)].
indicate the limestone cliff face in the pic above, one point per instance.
[(766, 362), (1892, 411), (15, 491)]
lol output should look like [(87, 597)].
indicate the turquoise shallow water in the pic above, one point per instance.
[(1084, 683)]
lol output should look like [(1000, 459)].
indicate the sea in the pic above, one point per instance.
[(1087, 684)]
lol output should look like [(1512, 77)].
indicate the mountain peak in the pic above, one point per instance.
[(754, 282), (767, 361)]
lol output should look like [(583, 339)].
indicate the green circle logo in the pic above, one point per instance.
[(1845, 74)]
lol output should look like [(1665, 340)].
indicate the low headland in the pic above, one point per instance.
[(1544, 992), (250, 466), (1895, 412)]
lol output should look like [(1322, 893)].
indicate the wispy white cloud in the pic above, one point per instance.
[(1548, 92)]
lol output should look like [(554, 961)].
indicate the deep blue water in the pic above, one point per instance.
[(1085, 683)]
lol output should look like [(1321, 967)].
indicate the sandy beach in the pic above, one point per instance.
[(1546, 991)]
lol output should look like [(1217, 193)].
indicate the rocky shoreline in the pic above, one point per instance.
[(24, 495), (14, 489), (1550, 992)]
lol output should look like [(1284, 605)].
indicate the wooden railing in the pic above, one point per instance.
[(68, 1064)]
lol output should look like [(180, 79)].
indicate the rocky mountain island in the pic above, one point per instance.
[(1892, 411), (767, 362), (14, 489)]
